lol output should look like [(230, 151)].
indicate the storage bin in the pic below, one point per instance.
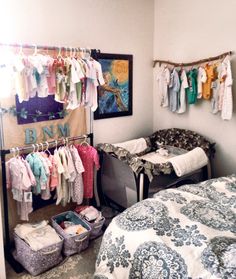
[(36, 262), (72, 243), (96, 228)]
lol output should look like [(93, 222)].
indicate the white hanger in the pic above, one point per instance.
[(35, 50), (84, 142)]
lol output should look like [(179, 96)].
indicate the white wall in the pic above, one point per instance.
[(124, 27), (187, 30), (113, 26)]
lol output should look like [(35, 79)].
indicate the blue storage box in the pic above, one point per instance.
[(72, 243)]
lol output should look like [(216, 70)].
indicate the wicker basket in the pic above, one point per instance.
[(36, 262), (76, 243)]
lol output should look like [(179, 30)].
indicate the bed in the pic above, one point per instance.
[(188, 232), (126, 177)]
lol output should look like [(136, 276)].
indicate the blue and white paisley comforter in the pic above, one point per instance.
[(189, 232)]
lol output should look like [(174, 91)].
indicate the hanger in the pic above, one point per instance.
[(47, 150), (59, 55), (37, 145), (35, 50), (76, 53), (13, 150), (67, 142), (84, 142), (21, 53), (87, 53), (17, 152), (33, 145), (41, 146), (64, 142), (56, 144)]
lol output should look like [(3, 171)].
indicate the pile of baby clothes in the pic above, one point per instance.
[(93, 217), (37, 235)]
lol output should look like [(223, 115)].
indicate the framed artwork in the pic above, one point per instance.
[(115, 96)]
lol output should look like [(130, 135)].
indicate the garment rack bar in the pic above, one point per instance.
[(50, 143), (35, 46), (193, 62)]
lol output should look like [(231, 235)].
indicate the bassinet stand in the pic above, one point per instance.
[(8, 255)]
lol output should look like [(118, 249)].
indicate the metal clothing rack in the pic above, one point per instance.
[(43, 47), (24, 149)]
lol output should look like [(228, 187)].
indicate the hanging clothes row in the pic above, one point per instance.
[(72, 76), (67, 174), (179, 86)]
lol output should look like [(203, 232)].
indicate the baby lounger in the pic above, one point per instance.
[(126, 178)]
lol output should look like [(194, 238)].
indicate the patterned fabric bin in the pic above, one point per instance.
[(76, 243), (36, 262), (96, 228)]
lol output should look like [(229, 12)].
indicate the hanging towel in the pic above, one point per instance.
[(133, 146), (189, 162)]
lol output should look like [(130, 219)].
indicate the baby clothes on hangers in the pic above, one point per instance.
[(51, 76), (60, 170), (163, 79), (61, 79), (182, 94), (96, 79), (75, 79), (78, 186), (227, 104), (53, 174), (206, 87), (201, 78), (192, 91), (38, 170), (20, 79), (45, 189), (20, 179), (63, 190), (71, 171), (40, 62), (216, 90), (173, 91), (89, 157)]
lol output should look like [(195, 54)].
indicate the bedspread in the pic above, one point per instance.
[(188, 232)]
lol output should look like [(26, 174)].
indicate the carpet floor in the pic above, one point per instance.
[(79, 266)]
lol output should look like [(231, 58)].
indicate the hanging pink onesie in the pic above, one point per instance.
[(89, 157)]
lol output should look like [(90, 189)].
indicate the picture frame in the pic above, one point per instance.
[(115, 96)]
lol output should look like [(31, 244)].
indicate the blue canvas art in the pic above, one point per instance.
[(115, 96)]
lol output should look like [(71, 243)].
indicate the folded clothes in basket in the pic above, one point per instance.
[(37, 237), (190, 161), (75, 230), (91, 214)]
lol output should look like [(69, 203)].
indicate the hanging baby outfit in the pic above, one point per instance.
[(227, 103), (191, 91), (89, 157), (163, 79), (173, 91), (182, 94), (20, 179)]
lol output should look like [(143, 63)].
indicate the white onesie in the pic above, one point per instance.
[(163, 78)]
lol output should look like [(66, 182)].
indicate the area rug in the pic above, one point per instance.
[(79, 266)]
